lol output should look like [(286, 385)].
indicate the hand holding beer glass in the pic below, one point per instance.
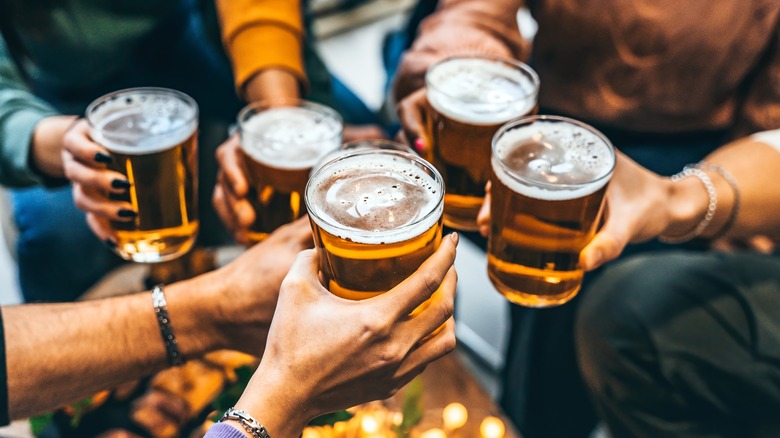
[(469, 99), (376, 216), (151, 135), (281, 143), (547, 196)]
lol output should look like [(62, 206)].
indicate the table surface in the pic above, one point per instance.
[(447, 381)]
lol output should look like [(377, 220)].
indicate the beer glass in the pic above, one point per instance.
[(376, 217), (152, 136), (548, 182), (470, 98), (281, 144)]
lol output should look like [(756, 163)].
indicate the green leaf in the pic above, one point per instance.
[(79, 409), (39, 423), (411, 408), (331, 419)]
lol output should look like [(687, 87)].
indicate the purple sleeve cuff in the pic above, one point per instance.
[(222, 430)]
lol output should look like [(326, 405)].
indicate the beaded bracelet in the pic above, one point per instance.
[(711, 207), (166, 331), (729, 178)]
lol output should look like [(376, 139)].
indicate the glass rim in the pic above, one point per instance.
[(161, 91), (518, 65), (527, 120), (263, 105), (416, 159)]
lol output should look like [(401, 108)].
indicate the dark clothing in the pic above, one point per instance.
[(4, 419), (683, 344)]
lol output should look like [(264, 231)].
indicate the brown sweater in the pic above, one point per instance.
[(646, 65)]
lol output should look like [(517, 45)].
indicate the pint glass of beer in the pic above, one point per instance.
[(152, 136), (548, 183), (376, 217), (470, 98), (281, 144)]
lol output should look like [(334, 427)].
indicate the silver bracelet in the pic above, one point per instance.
[(711, 207), (729, 178), (166, 331), (251, 425)]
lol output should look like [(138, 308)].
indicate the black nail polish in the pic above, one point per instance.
[(110, 243), (100, 157), (121, 184), (126, 213)]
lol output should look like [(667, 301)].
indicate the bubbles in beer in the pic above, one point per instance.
[(289, 137), (371, 194), (480, 91), (563, 157), (143, 122)]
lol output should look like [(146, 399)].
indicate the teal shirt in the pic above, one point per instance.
[(85, 42)]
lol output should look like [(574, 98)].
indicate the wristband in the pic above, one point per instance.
[(166, 331), (711, 206)]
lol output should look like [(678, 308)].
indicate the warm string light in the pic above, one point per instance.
[(433, 433), (454, 416), (492, 427)]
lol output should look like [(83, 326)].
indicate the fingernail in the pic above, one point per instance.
[(120, 184), (419, 145), (110, 243), (100, 157), (455, 238), (126, 213)]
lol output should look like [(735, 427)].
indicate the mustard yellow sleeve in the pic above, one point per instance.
[(262, 34)]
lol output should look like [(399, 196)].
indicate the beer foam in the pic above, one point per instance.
[(290, 137), (374, 198), (142, 124), (568, 161), (480, 91)]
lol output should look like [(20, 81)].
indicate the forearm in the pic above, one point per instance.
[(461, 27), (753, 166), (60, 353), (272, 85)]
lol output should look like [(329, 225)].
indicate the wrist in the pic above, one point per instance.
[(272, 84), (191, 306), (46, 147), (275, 402), (688, 203)]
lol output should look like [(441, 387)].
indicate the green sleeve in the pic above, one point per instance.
[(20, 112)]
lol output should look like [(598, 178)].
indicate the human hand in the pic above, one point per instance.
[(637, 210), (247, 288), (412, 112), (230, 194), (325, 353), (85, 164), (483, 217)]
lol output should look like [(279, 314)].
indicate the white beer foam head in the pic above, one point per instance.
[(290, 137), (480, 91), (374, 198), (553, 161), (142, 121)]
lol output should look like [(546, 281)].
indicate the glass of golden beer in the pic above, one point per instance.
[(376, 216), (548, 182), (470, 98), (152, 136), (282, 143)]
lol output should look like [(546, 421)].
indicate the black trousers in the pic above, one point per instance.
[(684, 344)]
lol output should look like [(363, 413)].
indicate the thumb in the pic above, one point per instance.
[(606, 245)]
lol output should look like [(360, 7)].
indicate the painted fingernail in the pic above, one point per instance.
[(100, 157), (419, 145), (120, 184), (110, 243), (126, 213)]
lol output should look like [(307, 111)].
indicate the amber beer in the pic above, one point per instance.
[(548, 183), (152, 136), (470, 98), (281, 144), (376, 217)]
